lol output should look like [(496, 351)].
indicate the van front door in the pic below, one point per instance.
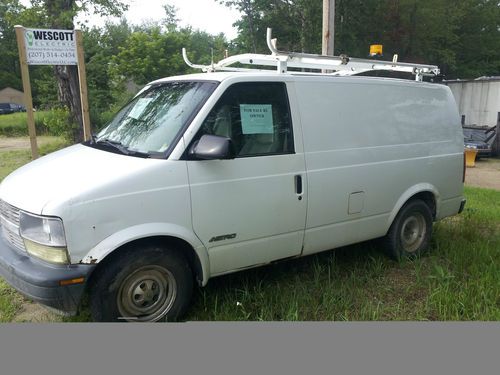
[(252, 209)]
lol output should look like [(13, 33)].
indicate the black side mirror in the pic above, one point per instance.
[(210, 147)]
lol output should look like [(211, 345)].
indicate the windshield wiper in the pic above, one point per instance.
[(120, 147)]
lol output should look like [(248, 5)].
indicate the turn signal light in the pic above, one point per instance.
[(78, 280)]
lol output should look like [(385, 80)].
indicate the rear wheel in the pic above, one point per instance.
[(410, 233), (143, 284)]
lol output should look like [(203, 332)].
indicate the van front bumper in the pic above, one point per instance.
[(40, 281)]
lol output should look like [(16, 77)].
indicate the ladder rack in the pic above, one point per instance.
[(340, 65)]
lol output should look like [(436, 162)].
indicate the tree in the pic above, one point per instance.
[(478, 34), (461, 36), (9, 60), (171, 20), (12, 12), (60, 14), (100, 45), (293, 20), (149, 53)]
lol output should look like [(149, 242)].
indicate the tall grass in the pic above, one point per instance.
[(11, 160), (458, 279), (52, 122)]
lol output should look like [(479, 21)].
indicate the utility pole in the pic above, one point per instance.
[(328, 27)]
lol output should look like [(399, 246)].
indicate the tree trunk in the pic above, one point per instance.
[(68, 86), (247, 8), (68, 91)]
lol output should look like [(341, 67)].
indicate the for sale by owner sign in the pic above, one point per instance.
[(50, 47)]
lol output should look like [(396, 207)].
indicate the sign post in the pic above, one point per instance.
[(25, 74), (51, 47), (82, 77)]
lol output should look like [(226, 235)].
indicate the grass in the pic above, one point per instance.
[(13, 159), (10, 302), (15, 124), (458, 279)]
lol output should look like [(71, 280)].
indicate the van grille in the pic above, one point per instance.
[(9, 213), (9, 220)]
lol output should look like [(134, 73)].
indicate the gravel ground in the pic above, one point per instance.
[(485, 174)]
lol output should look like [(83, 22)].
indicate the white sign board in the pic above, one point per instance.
[(50, 47)]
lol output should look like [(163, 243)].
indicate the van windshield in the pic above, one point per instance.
[(152, 122)]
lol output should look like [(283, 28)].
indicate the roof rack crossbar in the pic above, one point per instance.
[(340, 65)]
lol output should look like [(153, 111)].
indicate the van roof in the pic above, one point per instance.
[(221, 76)]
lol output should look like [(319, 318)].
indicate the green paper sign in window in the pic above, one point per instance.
[(256, 118)]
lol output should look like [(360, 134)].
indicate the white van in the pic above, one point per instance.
[(207, 174)]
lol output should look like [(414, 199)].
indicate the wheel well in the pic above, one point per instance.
[(185, 249), (429, 199)]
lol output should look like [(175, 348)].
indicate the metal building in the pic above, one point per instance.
[(478, 100)]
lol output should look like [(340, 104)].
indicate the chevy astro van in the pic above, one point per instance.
[(206, 174)]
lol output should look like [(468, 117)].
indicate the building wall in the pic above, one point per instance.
[(10, 95), (478, 100)]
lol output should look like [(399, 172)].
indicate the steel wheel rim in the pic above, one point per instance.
[(413, 232), (147, 294)]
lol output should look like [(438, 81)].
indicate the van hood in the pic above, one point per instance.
[(71, 175)]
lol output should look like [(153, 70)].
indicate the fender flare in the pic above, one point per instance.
[(142, 231), (415, 189)]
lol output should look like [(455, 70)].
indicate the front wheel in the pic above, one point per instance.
[(142, 284), (410, 233)]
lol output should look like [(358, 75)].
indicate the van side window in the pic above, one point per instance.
[(256, 116)]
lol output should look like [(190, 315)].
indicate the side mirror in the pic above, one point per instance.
[(211, 147)]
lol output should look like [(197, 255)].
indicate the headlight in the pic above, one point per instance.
[(44, 237)]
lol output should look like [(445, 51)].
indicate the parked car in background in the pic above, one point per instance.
[(6, 108), (479, 139)]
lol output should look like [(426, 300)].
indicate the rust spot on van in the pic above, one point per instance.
[(88, 260)]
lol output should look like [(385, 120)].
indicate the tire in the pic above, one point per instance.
[(143, 284), (410, 233)]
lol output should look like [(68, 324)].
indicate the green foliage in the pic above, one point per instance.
[(100, 46), (296, 22), (10, 302), (9, 61), (53, 122), (462, 37), (151, 53), (58, 122), (13, 125)]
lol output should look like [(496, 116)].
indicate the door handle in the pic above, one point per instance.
[(298, 186)]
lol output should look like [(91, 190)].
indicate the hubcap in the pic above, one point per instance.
[(147, 294), (413, 232)]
